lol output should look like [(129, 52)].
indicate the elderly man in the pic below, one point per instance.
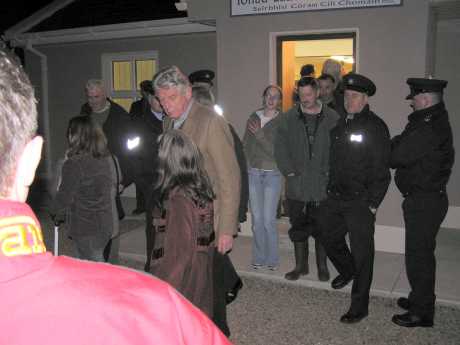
[(358, 180), (423, 156), (113, 119), (302, 155), (59, 300), (212, 135)]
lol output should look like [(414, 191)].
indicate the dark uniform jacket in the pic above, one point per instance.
[(145, 125), (359, 159), (423, 153)]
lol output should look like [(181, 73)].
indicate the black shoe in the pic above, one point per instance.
[(350, 317), (403, 303), (340, 281), (411, 320), (138, 211), (233, 293), (295, 273)]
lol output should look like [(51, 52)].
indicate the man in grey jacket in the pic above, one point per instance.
[(302, 155)]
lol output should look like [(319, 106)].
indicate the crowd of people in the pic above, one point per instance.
[(194, 178)]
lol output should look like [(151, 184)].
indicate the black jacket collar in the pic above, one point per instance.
[(428, 113)]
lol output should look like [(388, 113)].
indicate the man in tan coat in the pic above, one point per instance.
[(211, 134)]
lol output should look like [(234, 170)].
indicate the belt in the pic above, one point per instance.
[(201, 241)]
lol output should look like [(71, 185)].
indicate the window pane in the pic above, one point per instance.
[(121, 75), (124, 102), (145, 69)]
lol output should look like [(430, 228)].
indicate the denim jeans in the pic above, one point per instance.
[(264, 194)]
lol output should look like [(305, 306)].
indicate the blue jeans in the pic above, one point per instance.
[(264, 194)]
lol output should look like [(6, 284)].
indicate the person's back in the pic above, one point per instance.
[(59, 300)]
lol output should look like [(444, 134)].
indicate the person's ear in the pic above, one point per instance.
[(188, 92), (27, 165)]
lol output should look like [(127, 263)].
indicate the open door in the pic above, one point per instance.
[(295, 51)]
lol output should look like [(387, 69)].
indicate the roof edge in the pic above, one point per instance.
[(37, 17), (114, 31)]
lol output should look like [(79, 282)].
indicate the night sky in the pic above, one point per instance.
[(18, 10)]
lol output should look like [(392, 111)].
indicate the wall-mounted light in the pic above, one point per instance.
[(341, 58), (181, 6)]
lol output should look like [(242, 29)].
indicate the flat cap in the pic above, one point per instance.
[(360, 83), (202, 76), (424, 85)]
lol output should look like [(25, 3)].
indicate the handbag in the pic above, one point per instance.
[(120, 210)]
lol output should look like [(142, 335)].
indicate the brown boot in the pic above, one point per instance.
[(301, 261)]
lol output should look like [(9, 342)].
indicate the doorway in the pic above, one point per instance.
[(295, 51)]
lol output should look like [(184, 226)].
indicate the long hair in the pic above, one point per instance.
[(180, 164), (86, 137), (268, 88)]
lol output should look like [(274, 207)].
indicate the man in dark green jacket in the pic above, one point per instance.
[(302, 155)]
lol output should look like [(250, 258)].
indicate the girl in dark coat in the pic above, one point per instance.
[(84, 198), (184, 237)]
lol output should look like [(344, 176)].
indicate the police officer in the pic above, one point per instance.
[(358, 180), (139, 112), (423, 156), (202, 77), (145, 128)]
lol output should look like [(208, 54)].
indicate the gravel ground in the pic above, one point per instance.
[(270, 312)]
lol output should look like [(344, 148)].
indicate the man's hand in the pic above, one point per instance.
[(253, 126), (225, 243)]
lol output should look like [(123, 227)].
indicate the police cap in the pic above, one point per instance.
[(360, 83), (424, 85), (201, 76)]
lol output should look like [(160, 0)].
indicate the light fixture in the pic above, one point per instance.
[(341, 58), (181, 6)]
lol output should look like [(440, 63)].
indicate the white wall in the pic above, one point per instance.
[(447, 66)]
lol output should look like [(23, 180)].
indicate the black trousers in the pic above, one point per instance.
[(225, 278), (303, 218), (143, 183), (336, 218), (423, 215)]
